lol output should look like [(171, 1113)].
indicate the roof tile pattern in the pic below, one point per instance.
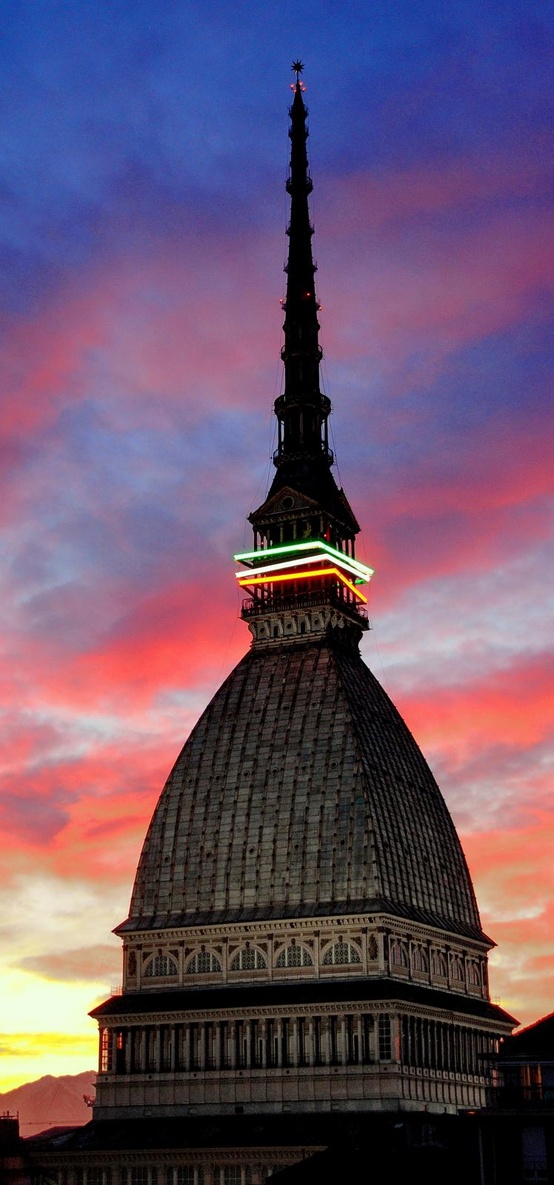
[(301, 792)]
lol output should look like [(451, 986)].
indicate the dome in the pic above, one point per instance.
[(303, 933), (301, 792)]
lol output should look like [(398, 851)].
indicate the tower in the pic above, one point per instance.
[(303, 935), (302, 905)]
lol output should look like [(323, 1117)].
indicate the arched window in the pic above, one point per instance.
[(341, 952), (420, 961), (248, 959), (372, 948), (457, 968), (161, 966), (474, 975), (203, 963), (294, 956), (438, 964), (398, 953)]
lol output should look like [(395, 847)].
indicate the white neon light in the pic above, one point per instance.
[(319, 557), (361, 569)]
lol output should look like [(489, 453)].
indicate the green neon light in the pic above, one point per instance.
[(269, 552), (318, 557), (246, 580)]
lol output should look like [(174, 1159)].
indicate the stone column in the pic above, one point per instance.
[(342, 1042), (359, 1034), (262, 1042), (127, 1039), (333, 1031), (247, 1039), (279, 1051), (294, 1042), (325, 1041), (309, 1044), (232, 1044), (285, 1045), (186, 1047)]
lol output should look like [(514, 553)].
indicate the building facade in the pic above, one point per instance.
[(303, 936)]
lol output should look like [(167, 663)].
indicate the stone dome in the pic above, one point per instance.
[(301, 792)]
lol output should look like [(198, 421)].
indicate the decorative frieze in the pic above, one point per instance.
[(352, 946)]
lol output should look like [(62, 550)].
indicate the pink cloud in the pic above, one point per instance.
[(418, 288), (469, 513), (141, 329), (165, 641), (150, 644), (512, 706), (361, 201), (74, 966), (514, 879)]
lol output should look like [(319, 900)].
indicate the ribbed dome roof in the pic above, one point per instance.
[(301, 792)]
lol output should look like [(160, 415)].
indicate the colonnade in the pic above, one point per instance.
[(153, 1174), (434, 1045), (269, 1042), (294, 1041)]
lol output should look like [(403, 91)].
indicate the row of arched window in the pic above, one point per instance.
[(250, 958), (419, 960)]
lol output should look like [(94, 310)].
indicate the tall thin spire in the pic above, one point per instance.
[(302, 410), (302, 577)]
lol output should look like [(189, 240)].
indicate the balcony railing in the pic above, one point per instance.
[(284, 454), (309, 600)]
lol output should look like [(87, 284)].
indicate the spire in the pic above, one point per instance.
[(302, 577), (302, 410)]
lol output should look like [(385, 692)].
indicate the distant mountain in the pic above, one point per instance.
[(50, 1102)]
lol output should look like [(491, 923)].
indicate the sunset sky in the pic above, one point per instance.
[(145, 151)]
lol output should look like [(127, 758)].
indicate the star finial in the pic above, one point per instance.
[(298, 67)]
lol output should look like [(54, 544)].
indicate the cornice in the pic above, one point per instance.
[(270, 929), (306, 1011)]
